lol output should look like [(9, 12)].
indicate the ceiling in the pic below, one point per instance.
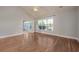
[(44, 10)]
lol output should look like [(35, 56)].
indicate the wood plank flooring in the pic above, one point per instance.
[(38, 42)]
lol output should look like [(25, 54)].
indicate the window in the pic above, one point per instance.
[(46, 24), (27, 25)]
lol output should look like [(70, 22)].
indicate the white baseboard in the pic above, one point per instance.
[(11, 35), (67, 37), (75, 38)]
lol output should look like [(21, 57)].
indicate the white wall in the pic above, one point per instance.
[(78, 22), (11, 20), (65, 23)]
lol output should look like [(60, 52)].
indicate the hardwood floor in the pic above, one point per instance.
[(38, 42)]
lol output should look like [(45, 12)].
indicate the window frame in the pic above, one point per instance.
[(52, 24), (29, 21)]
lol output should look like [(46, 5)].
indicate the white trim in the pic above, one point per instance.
[(11, 35), (75, 38)]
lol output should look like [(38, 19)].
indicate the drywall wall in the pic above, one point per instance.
[(11, 20), (77, 22), (65, 23)]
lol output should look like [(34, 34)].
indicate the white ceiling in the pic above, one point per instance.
[(44, 10)]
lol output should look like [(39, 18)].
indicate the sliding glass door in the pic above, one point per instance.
[(27, 26)]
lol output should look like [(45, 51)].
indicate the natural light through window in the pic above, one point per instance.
[(27, 25), (46, 24)]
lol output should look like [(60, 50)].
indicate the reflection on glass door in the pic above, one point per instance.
[(27, 26)]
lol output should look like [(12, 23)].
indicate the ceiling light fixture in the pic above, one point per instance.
[(35, 9)]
